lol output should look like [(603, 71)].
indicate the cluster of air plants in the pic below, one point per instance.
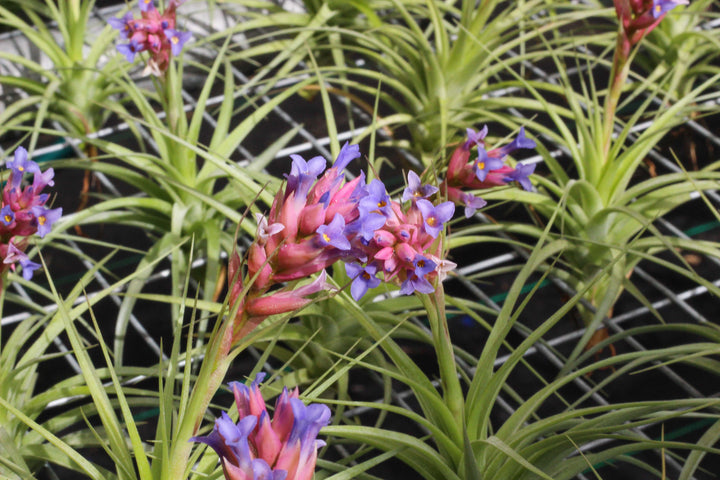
[(320, 274)]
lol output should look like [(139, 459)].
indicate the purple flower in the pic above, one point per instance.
[(123, 24), (367, 224), (415, 189), (130, 50), (21, 165), (376, 200), (363, 279), (520, 142), (313, 167), (45, 218), (472, 203), (303, 174), (347, 154), (41, 180), (177, 39), (661, 7), (423, 265), (435, 217), (484, 164), (520, 174), (146, 5), (7, 216), (28, 267), (416, 284), (474, 137), (333, 234)]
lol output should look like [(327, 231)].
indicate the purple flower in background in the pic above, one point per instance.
[(472, 203), (45, 218), (415, 189), (177, 39), (333, 234), (123, 25), (520, 174), (521, 141), (416, 284), (146, 5), (363, 279), (129, 50), (28, 267), (661, 7), (474, 137), (435, 217)]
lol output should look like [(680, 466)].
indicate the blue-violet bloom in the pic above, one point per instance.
[(434, 217), (363, 279), (416, 189)]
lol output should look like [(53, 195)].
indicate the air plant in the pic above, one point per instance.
[(430, 72), (79, 84), (602, 208)]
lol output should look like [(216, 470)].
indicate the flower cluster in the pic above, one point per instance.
[(485, 171), (639, 17), (260, 448), (23, 213), (154, 33), (314, 222)]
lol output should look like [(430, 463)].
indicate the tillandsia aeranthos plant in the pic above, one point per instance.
[(76, 89), (600, 206), (431, 74)]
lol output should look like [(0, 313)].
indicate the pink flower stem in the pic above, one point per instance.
[(618, 74)]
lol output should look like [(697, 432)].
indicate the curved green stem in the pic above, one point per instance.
[(452, 391), (212, 373)]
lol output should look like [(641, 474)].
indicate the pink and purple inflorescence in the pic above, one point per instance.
[(258, 447), (320, 218), (23, 213), (153, 32)]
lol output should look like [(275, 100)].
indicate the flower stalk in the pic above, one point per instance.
[(434, 304)]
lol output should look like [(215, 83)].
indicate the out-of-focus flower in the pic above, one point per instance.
[(640, 17), (260, 448), (661, 7), (153, 32), (521, 174), (23, 213), (471, 203)]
